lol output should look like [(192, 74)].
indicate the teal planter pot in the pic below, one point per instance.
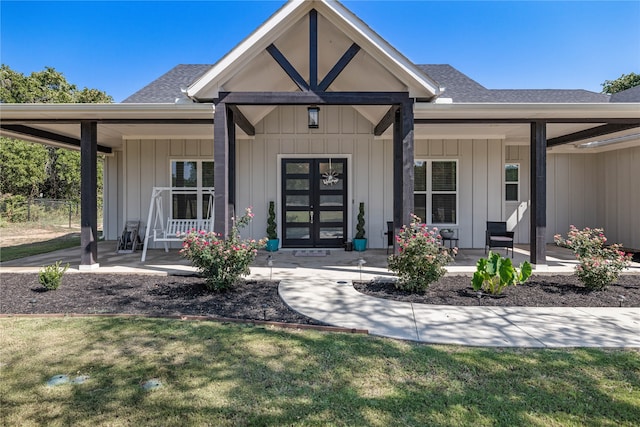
[(359, 244), (272, 245)]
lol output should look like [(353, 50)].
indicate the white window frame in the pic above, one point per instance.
[(198, 190), (430, 192), (517, 182)]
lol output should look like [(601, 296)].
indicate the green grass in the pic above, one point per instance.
[(237, 375), (9, 253)]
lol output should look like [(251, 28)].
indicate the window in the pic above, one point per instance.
[(436, 191), (512, 182), (192, 189)]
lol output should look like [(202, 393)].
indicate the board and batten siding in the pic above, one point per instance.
[(597, 190), (147, 165)]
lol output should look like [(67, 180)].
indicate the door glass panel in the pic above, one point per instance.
[(338, 167), (298, 233), (298, 216), (297, 184), (331, 185), (330, 216), (297, 168), (331, 232), (297, 200), (330, 200)]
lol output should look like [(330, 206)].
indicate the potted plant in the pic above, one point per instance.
[(360, 242), (274, 242)]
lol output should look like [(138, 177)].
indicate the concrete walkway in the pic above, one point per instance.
[(320, 287)]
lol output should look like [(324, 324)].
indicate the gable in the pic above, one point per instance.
[(376, 67)]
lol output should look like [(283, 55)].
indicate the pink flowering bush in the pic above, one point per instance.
[(221, 261), (599, 265), (421, 258)]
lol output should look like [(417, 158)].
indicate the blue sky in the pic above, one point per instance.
[(119, 47)]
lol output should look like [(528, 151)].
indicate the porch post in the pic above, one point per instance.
[(403, 159), (88, 195), (221, 170), (538, 166)]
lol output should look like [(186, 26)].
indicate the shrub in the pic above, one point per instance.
[(360, 225), (599, 264), (421, 258), (271, 222), (495, 273), (50, 276), (221, 261)]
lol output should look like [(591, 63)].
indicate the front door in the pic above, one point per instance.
[(314, 200)]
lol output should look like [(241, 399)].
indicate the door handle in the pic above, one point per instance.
[(311, 217)]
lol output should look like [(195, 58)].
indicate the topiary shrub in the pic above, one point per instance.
[(360, 225)]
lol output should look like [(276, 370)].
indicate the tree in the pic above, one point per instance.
[(32, 169), (624, 82)]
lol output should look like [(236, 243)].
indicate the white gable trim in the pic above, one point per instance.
[(419, 85)]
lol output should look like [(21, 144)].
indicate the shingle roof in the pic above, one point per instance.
[(459, 87), (629, 95), (166, 88)]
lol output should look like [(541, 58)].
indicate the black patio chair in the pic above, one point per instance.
[(497, 236), (389, 234)]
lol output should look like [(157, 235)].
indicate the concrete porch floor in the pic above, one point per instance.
[(285, 261)]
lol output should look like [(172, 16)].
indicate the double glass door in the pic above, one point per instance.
[(314, 200)]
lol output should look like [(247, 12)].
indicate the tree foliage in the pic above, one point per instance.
[(624, 82), (30, 169)]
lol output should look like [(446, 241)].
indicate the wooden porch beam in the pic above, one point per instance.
[(88, 195), (339, 67), (313, 49), (242, 121), (320, 98), (524, 120), (386, 121), (538, 166), (51, 136), (222, 216), (590, 133), (403, 164), (287, 67)]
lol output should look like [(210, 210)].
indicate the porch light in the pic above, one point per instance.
[(314, 117)]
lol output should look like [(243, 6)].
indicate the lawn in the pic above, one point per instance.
[(230, 375)]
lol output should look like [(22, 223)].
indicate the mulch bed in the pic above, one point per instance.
[(155, 295), (538, 291)]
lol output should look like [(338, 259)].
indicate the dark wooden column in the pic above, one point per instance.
[(222, 216), (537, 238), (89, 194), (403, 160)]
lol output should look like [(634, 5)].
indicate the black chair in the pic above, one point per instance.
[(497, 236), (389, 235)]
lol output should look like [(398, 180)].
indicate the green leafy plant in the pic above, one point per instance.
[(599, 264), (360, 225), (495, 273), (271, 222), (421, 257), (221, 261), (50, 276)]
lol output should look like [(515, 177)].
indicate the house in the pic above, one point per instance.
[(318, 113)]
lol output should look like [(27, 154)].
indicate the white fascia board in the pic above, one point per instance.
[(390, 56), (248, 48), (527, 111), (105, 111)]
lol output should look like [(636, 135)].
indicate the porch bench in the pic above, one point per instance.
[(177, 227)]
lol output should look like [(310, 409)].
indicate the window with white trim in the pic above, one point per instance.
[(512, 182), (192, 189), (435, 194)]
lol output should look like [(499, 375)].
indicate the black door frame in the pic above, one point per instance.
[(314, 207)]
